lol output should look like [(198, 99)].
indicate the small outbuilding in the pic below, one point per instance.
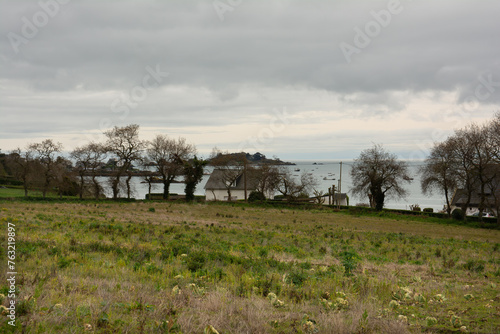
[(336, 199)]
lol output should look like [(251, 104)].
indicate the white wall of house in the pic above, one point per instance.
[(221, 195), (343, 201), (472, 210)]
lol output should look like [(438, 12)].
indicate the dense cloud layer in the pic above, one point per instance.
[(232, 64)]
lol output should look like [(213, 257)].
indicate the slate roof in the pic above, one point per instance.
[(460, 196)]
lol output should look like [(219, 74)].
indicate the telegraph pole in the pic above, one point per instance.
[(333, 195), (340, 184), (245, 177)]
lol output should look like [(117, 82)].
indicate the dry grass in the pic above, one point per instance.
[(111, 266)]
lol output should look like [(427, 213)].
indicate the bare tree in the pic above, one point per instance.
[(169, 156), (124, 144), (65, 180), (377, 174), (149, 178), (463, 167), (483, 161), (492, 187), (292, 188), (438, 172), (268, 177), (476, 157), (21, 164), (45, 155), (494, 137), (319, 197), (88, 159)]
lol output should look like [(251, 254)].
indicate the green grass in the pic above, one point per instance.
[(13, 192), (18, 192), (154, 267)]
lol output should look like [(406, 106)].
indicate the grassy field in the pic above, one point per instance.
[(147, 267), (15, 191)]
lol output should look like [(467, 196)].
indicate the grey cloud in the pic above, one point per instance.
[(245, 62), (291, 43)]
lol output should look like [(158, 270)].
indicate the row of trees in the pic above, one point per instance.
[(42, 167), (466, 163)]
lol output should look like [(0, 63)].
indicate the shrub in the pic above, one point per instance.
[(25, 306), (256, 196), (349, 259), (322, 250), (475, 265), (263, 252), (458, 214), (415, 207), (297, 277), (428, 210), (195, 261), (175, 248), (63, 262)]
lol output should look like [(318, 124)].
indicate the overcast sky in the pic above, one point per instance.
[(295, 79)]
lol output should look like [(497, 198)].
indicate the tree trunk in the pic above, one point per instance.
[(379, 201), (448, 208), (114, 186), (81, 186), (189, 190), (466, 205), (127, 182), (378, 197), (166, 189), (483, 200), (25, 186), (149, 188), (96, 187)]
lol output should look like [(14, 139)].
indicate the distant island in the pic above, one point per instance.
[(256, 159)]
